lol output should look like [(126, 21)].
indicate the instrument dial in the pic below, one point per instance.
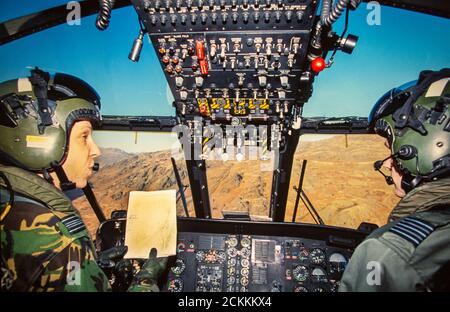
[(179, 267), (303, 255), (337, 263), (232, 252), (175, 285), (200, 256), (245, 252), (245, 242), (300, 289), (317, 256), (232, 241), (300, 273), (319, 275), (245, 263)]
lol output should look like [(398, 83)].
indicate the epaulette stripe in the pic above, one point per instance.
[(405, 236), (415, 230), (68, 219), (400, 228), (77, 229), (421, 223), (72, 222)]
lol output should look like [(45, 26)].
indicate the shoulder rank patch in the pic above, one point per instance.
[(74, 224), (413, 230)]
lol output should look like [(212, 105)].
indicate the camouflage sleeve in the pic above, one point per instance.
[(375, 267), (39, 254), (74, 269)]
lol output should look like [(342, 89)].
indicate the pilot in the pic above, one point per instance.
[(411, 252), (46, 147)]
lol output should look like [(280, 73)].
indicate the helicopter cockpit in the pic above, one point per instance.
[(275, 183)]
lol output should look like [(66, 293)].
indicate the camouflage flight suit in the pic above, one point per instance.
[(45, 245), (412, 252)]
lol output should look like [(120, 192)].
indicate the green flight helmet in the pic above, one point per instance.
[(415, 119), (36, 116)]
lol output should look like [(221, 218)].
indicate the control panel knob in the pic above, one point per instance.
[(213, 50), (280, 3), (245, 17), (211, 3), (256, 17), (179, 81), (189, 4), (268, 49), (277, 16), (178, 4), (167, 5), (245, 3), (234, 17), (173, 19), (262, 79), (157, 4), (214, 17), (267, 17), (223, 48), (223, 3), (183, 19), (233, 3), (163, 19), (282, 95), (268, 3), (200, 4), (204, 18), (284, 81), (299, 15), (153, 20), (193, 18), (256, 3), (224, 17), (288, 16), (183, 94), (199, 81)]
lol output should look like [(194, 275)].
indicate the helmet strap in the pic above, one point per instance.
[(64, 183), (39, 79)]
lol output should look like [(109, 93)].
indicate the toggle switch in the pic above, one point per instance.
[(213, 50), (179, 81), (199, 81), (284, 80), (262, 79), (183, 94), (281, 95)]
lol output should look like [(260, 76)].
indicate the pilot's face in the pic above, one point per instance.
[(396, 175), (81, 155)]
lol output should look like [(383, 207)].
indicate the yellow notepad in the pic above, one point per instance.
[(151, 223)]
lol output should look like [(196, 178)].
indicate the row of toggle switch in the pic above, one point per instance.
[(211, 4), (224, 17)]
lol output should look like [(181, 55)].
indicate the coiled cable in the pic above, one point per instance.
[(104, 15), (336, 12)]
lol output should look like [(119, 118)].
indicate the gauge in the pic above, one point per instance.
[(245, 252), (300, 273), (181, 247), (245, 242), (317, 256), (221, 257), (175, 285), (245, 263), (318, 289), (232, 241), (231, 280), (200, 256), (232, 262), (303, 255), (318, 275), (337, 263), (211, 256), (300, 289), (244, 272), (244, 289), (231, 271), (179, 267), (232, 252), (244, 281)]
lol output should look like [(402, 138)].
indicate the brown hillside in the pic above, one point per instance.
[(340, 182)]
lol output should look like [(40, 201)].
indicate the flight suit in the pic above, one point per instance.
[(45, 245), (410, 253)]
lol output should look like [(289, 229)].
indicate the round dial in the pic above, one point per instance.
[(245, 242), (200, 256), (231, 280), (232, 262), (300, 289), (232, 241), (181, 247), (244, 272), (317, 256), (179, 267), (244, 281), (245, 263), (245, 252), (318, 275), (175, 285), (221, 256), (232, 252), (300, 273), (337, 263)]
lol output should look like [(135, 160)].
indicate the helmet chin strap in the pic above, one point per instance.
[(409, 182), (64, 183)]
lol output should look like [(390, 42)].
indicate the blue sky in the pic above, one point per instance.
[(386, 56)]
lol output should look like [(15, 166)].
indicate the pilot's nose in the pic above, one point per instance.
[(95, 151)]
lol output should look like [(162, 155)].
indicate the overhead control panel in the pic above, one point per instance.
[(232, 58)]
